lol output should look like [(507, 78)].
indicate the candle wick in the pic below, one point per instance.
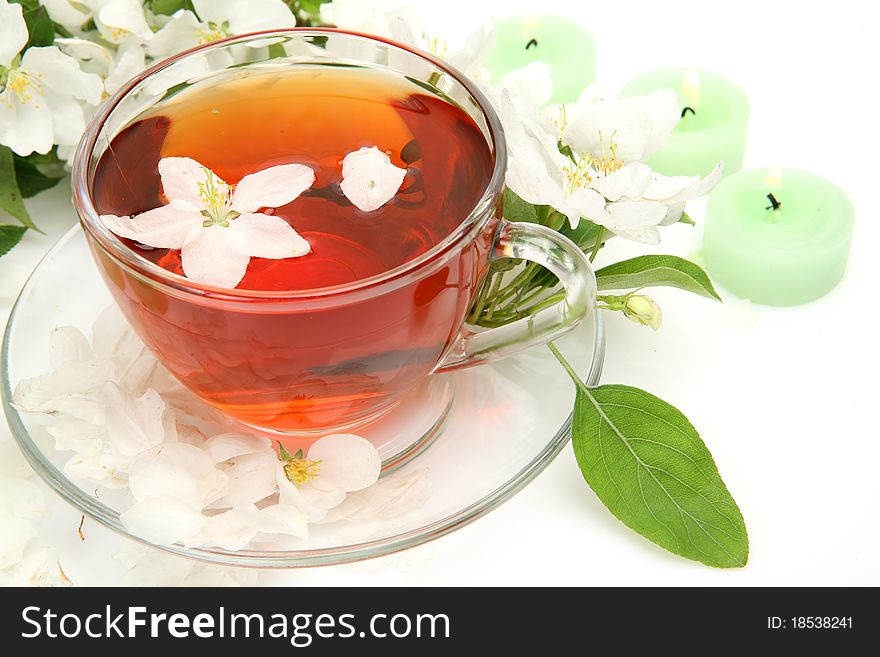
[(532, 42), (774, 204), (686, 110)]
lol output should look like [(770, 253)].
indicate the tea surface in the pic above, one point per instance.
[(313, 116)]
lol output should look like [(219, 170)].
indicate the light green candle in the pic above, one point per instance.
[(713, 126), (777, 236), (565, 45)]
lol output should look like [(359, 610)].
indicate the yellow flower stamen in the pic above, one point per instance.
[(24, 85), (214, 32), (215, 196), (301, 471), (607, 162), (578, 176)]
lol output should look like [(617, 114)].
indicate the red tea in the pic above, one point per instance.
[(329, 363)]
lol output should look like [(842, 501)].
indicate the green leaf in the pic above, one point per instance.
[(656, 271), (31, 180), (516, 209), (647, 464), (41, 30), (168, 7), (9, 237), (310, 7), (10, 195)]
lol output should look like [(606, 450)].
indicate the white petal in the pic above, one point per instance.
[(649, 235), (628, 182), (107, 470), (590, 204), (267, 236), (177, 470), (68, 119), (664, 111), (181, 177), (530, 87), (72, 380), (180, 33), (311, 501), (231, 530), (130, 60), (165, 227), (666, 187), (13, 32), (92, 57), (272, 187), (25, 127), (62, 74), (84, 438), (65, 13), (628, 215), (250, 479), (136, 424), (369, 180), (120, 19), (163, 520), (248, 16), (278, 519), (700, 187), (628, 129), (211, 258), (351, 461), (225, 446), (68, 343)]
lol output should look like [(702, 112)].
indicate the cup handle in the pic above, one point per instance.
[(561, 256)]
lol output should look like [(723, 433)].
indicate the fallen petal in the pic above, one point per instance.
[(369, 179), (352, 462), (163, 520)]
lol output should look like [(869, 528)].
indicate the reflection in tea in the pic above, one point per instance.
[(281, 366)]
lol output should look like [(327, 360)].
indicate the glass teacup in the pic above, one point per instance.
[(318, 360)]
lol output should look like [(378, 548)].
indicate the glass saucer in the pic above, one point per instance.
[(505, 424)]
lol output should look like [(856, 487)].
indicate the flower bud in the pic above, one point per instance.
[(644, 310)]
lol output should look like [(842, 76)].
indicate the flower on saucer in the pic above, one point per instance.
[(369, 180), (319, 481), (216, 226)]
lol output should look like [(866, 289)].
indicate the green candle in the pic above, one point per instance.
[(777, 237), (713, 125), (565, 45)]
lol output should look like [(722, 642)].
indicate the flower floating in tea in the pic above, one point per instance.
[(216, 226), (369, 180)]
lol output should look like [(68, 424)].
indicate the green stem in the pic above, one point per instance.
[(568, 368), (493, 292), (481, 300), (598, 244)]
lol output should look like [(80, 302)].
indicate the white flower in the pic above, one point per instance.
[(624, 197), (219, 19), (369, 180), (404, 26), (638, 125), (40, 92), (334, 466), (529, 87), (120, 20), (217, 227)]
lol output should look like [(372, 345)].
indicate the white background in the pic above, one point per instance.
[(786, 399)]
